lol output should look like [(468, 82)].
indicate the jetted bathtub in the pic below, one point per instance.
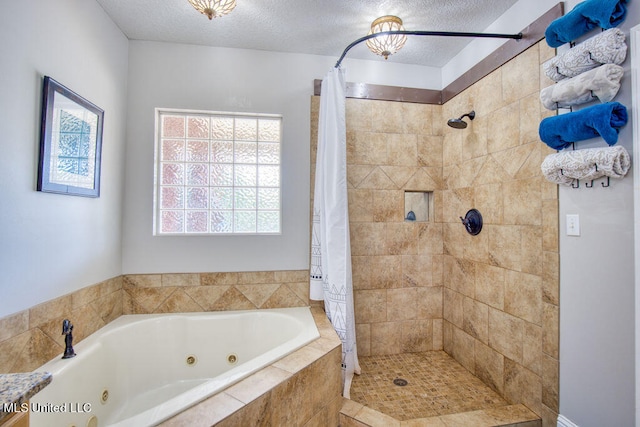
[(142, 369)]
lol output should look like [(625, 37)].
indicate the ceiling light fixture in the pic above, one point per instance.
[(213, 8), (388, 44)]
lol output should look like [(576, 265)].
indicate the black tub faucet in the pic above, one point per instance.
[(67, 329)]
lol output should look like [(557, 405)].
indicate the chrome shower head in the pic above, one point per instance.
[(459, 123)]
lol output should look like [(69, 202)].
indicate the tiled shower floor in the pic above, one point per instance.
[(436, 385)]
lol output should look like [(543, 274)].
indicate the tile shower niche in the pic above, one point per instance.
[(417, 205)]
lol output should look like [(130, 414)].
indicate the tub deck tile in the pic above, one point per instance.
[(258, 384), (299, 359), (206, 413)]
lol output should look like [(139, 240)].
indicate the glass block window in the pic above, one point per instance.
[(217, 173)]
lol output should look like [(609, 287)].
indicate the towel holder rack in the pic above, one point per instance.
[(576, 182), (591, 186), (602, 183)]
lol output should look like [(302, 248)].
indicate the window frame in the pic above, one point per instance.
[(157, 184)]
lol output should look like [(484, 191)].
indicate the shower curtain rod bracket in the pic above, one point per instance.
[(427, 33)]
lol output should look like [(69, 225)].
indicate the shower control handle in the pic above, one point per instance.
[(472, 222)]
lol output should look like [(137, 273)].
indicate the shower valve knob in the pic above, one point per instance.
[(472, 222)]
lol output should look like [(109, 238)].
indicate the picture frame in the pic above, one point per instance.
[(70, 142)]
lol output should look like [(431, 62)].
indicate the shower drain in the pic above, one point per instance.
[(400, 382)]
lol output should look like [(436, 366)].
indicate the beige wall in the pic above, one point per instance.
[(491, 300)]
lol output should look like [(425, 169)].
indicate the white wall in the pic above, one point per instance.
[(597, 288), (54, 244), (635, 69), (514, 20), (392, 74), (218, 79), (203, 78)]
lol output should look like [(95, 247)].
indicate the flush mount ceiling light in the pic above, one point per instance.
[(385, 45), (213, 8)]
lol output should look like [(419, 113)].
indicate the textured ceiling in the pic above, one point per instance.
[(318, 27)]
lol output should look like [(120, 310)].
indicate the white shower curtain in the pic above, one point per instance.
[(331, 246)]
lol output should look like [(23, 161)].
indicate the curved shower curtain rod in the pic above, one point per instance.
[(428, 33)]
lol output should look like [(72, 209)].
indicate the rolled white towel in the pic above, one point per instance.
[(608, 47), (588, 164), (602, 82)]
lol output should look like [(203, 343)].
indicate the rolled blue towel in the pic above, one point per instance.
[(603, 120), (584, 17)]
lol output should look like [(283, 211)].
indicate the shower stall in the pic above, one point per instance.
[(480, 312)]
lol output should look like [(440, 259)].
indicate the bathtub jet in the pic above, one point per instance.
[(459, 123)]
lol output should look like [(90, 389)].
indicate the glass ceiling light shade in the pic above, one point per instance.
[(388, 44), (213, 8)]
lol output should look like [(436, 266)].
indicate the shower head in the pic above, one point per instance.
[(459, 123)]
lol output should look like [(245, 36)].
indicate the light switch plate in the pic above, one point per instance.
[(573, 225)]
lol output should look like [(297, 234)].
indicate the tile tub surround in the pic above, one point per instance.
[(172, 293), (19, 388), (302, 389), (492, 300), (32, 337)]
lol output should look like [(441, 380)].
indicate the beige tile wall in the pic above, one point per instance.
[(32, 337), (491, 300), (397, 265), (173, 293), (500, 302)]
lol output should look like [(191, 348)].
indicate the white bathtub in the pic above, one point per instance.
[(155, 366)]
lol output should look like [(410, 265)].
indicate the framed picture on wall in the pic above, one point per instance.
[(70, 142)]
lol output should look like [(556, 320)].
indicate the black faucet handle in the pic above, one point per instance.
[(67, 327)]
